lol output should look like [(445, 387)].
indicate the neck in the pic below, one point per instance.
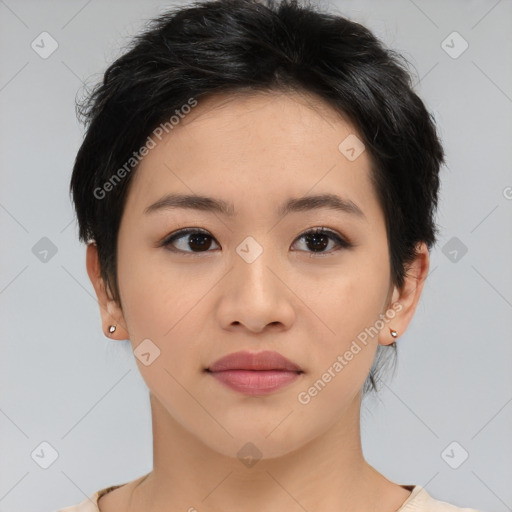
[(326, 473)]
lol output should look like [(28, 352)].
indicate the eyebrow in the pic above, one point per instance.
[(210, 204)]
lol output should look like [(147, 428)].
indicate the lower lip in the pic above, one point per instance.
[(255, 382)]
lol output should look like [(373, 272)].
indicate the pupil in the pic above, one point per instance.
[(315, 238), (201, 242)]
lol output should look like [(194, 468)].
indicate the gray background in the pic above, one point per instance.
[(63, 382)]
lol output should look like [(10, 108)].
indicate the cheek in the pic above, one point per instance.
[(343, 361), (153, 294), (352, 299), (348, 305), (162, 321), (162, 304)]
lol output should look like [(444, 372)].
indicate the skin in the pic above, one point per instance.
[(255, 151)]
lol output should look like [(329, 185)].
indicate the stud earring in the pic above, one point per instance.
[(393, 333), (111, 329)]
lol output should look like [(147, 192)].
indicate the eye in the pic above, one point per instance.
[(196, 240), (199, 240), (319, 239)]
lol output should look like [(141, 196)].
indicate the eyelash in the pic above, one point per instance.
[(332, 235)]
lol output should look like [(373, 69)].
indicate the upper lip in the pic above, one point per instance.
[(244, 360)]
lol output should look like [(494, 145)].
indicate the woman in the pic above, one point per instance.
[(257, 187)]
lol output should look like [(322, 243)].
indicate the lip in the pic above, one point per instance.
[(244, 360), (255, 373)]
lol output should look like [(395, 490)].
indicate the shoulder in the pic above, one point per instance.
[(421, 501), (90, 504)]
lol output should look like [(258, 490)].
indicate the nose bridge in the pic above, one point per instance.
[(253, 295), (251, 264)]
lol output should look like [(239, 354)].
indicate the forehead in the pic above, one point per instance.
[(245, 146), (294, 115)]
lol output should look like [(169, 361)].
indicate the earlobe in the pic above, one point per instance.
[(114, 327), (406, 299), (111, 315)]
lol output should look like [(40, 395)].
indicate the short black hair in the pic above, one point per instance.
[(247, 46)]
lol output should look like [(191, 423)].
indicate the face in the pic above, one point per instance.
[(255, 277)]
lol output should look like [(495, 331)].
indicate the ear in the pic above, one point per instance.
[(404, 301), (111, 313)]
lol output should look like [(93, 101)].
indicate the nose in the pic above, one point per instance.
[(255, 296)]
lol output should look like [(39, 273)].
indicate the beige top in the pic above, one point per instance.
[(418, 501)]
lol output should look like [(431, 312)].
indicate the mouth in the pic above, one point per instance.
[(255, 374)]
